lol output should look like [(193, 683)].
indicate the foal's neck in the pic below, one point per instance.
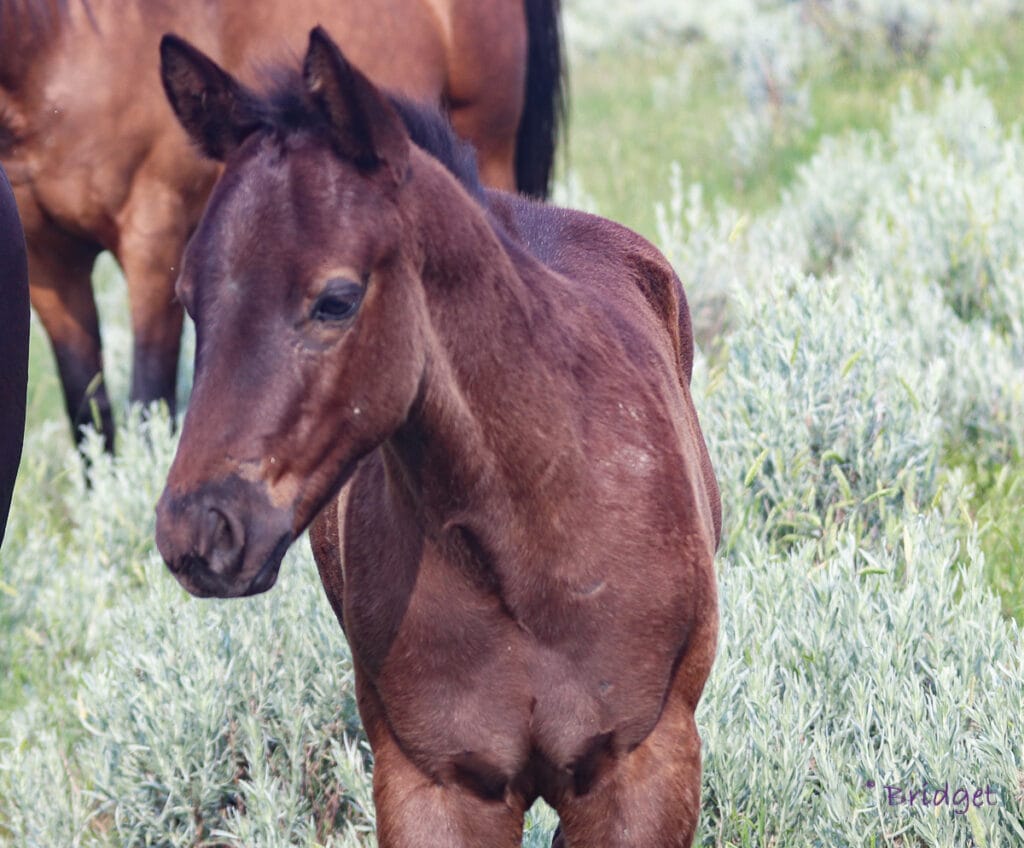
[(478, 438)]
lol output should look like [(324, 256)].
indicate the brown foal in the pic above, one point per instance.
[(481, 407)]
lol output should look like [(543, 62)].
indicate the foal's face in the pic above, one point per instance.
[(309, 315), (308, 355)]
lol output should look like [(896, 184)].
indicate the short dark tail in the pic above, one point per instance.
[(545, 106)]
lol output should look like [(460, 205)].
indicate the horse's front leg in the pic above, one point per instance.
[(651, 796), (154, 229), (417, 811)]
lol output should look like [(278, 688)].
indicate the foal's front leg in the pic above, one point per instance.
[(415, 811), (651, 798)]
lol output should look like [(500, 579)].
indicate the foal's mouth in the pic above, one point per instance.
[(266, 577), (200, 580), (223, 539)]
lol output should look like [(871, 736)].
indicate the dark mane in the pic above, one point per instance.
[(286, 108), (431, 130)]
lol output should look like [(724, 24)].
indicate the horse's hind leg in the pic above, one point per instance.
[(60, 287), (486, 83)]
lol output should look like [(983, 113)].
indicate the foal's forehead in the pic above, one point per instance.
[(288, 175), (284, 196)]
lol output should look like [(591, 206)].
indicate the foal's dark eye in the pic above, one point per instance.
[(339, 301)]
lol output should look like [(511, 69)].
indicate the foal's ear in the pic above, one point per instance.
[(366, 127), (216, 110)]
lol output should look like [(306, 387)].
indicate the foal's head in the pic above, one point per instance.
[(303, 282)]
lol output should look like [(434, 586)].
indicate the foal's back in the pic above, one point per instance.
[(603, 254)]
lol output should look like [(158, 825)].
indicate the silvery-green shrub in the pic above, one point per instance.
[(815, 418), (768, 51), (880, 665), (928, 215), (862, 31), (176, 721), (227, 721)]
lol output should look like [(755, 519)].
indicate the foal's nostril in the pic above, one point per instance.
[(221, 538), (223, 541), (177, 564)]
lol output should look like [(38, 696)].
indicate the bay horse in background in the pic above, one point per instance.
[(98, 162), (14, 323), (481, 407)]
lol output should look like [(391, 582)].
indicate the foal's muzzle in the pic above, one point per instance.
[(223, 540)]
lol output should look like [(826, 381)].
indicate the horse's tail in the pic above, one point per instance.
[(545, 103)]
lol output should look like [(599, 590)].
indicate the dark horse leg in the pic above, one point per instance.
[(414, 810), (60, 276), (13, 345)]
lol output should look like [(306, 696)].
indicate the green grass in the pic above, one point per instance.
[(44, 402), (631, 118), (997, 511), (1000, 517)]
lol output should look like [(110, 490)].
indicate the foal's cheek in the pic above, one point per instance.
[(383, 358)]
